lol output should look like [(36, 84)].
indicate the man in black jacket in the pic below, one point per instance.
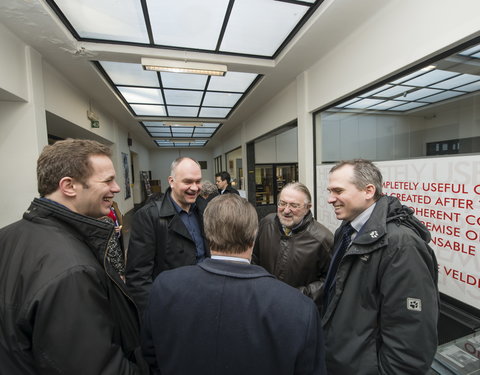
[(227, 317), (168, 232), (292, 245), (63, 308), (222, 180), (381, 297)]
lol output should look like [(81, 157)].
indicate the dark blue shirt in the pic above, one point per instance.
[(191, 221)]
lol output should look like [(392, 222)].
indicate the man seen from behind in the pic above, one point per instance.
[(225, 316)]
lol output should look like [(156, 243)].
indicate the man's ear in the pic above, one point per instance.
[(68, 186), (170, 180), (370, 191)]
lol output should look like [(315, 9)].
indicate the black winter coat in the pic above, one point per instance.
[(382, 318), (300, 260), (159, 241), (63, 309)]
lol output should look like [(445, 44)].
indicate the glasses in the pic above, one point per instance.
[(293, 206)]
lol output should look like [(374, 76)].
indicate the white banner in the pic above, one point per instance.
[(445, 195)]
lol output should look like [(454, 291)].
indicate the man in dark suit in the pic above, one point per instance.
[(225, 316), (222, 180)]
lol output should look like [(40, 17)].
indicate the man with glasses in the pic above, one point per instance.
[(167, 233), (292, 245)]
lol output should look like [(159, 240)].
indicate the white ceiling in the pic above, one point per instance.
[(37, 25)]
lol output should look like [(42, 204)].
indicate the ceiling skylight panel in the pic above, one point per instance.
[(471, 87), (141, 95), (129, 74), (183, 97), (187, 23), (348, 102), (374, 91), (204, 132), (232, 81), (364, 103), (148, 110), (470, 51), (430, 78), (393, 91), (214, 112), (408, 106), (259, 27), (182, 111), (220, 99), (93, 19), (410, 76), (419, 94), (165, 134), (183, 81), (460, 80), (444, 95), (386, 105)]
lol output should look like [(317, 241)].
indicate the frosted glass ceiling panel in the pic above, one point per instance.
[(141, 95), (164, 134), (129, 74), (386, 105), (470, 51), (471, 87), (378, 89), (182, 111), (406, 107), (409, 76), (348, 102), (364, 103), (106, 19), (457, 81), (183, 81), (232, 81), (442, 96), (187, 23), (394, 91), (421, 93), (218, 99), (214, 112), (259, 27), (430, 78), (182, 130), (183, 97), (148, 110), (202, 131)]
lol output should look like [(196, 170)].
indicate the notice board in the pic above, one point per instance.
[(444, 193)]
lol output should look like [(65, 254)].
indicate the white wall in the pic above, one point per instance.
[(30, 86), (22, 126), (281, 148)]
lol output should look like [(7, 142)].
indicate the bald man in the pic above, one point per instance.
[(166, 233)]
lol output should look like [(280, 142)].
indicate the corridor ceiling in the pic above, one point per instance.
[(251, 37)]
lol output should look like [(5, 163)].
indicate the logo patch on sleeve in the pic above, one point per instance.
[(414, 304)]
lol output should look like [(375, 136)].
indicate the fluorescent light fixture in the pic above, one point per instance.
[(174, 66), (183, 124)]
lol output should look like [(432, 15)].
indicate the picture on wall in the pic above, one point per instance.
[(126, 175)]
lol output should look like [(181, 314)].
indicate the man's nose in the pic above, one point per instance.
[(331, 198), (115, 188)]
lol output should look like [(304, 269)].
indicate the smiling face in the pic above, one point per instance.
[(95, 197), (347, 200), (186, 183), (292, 207)]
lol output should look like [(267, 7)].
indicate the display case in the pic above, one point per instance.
[(458, 357)]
